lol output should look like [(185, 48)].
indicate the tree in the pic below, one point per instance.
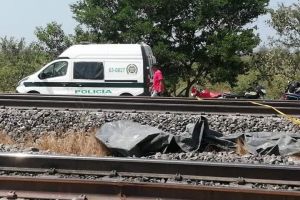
[(192, 39), (271, 68), (18, 60), (52, 39), (286, 53), (279, 63), (285, 21), (82, 35), (274, 66)]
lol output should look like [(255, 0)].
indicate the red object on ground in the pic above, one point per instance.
[(205, 93)]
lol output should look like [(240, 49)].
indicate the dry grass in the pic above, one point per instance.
[(240, 148), (6, 139), (81, 143), (73, 143)]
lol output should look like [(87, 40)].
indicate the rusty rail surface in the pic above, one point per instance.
[(67, 177), (183, 105)]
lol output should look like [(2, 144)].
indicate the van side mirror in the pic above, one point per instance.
[(42, 75)]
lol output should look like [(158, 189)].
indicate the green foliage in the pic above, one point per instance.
[(82, 35), (192, 39), (271, 68), (247, 82), (277, 61), (52, 39), (17, 60), (274, 67), (286, 22)]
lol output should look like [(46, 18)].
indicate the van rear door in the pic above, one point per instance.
[(148, 61), (88, 78)]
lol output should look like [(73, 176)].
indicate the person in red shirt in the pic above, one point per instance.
[(157, 88)]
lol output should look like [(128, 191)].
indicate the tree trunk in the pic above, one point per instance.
[(174, 90), (182, 91), (188, 87)]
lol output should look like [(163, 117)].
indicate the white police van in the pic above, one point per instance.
[(95, 69)]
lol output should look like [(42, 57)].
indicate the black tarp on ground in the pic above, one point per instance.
[(126, 138), (268, 143)]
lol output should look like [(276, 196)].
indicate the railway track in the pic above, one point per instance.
[(84, 178), (65, 177), (222, 106)]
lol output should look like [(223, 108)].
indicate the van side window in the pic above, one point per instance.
[(55, 70), (89, 70)]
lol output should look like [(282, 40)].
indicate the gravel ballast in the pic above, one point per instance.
[(19, 124), (228, 157)]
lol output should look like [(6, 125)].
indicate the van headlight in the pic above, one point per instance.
[(22, 81)]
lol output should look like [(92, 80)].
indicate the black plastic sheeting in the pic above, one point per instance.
[(126, 138)]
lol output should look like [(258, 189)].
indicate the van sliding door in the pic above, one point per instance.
[(88, 78)]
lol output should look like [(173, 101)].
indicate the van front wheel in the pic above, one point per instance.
[(126, 95)]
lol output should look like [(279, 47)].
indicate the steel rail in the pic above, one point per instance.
[(95, 190), (165, 100), (270, 172), (116, 188), (145, 104), (217, 109), (38, 172)]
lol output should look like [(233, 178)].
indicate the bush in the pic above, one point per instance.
[(17, 60)]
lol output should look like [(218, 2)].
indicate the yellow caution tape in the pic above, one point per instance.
[(286, 116)]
